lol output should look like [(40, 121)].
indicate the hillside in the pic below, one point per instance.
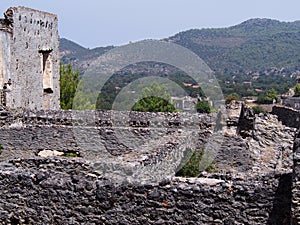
[(249, 58), (254, 45), (79, 56)]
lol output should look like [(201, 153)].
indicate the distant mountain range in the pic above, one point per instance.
[(78, 56), (254, 45)]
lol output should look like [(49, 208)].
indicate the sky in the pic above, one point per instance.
[(95, 23)]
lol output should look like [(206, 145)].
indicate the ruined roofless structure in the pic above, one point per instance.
[(29, 60)]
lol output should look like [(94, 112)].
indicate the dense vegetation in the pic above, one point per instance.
[(254, 45), (257, 110), (270, 96), (242, 85), (297, 90), (69, 80), (134, 77), (249, 59), (203, 107), (154, 99)]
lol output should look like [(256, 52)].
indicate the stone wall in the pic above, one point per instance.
[(252, 186), (55, 191), (5, 59), (144, 138), (288, 116), (126, 140), (75, 130), (296, 182), (31, 78)]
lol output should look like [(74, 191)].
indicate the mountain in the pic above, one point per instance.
[(67, 47), (79, 56), (254, 45)]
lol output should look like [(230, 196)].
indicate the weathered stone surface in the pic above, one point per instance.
[(255, 183), (94, 134), (253, 187), (57, 191), (29, 59), (289, 117), (49, 153), (246, 122), (296, 183)]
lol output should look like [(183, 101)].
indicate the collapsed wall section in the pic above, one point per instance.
[(145, 137), (27, 133), (67, 188)]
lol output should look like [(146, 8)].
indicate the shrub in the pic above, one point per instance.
[(153, 104), (203, 107), (258, 110), (70, 154), (231, 97), (297, 90), (191, 168), (268, 97), (154, 99)]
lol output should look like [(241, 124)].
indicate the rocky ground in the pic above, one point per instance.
[(252, 185)]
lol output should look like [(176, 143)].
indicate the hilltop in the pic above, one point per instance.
[(254, 45), (248, 59)]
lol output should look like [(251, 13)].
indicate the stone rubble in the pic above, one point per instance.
[(253, 184)]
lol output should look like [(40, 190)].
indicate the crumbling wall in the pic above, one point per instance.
[(28, 132), (93, 135), (143, 137), (61, 190), (288, 116), (296, 182), (53, 191), (5, 59), (246, 122), (32, 53)]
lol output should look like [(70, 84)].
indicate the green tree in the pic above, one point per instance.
[(82, 100), (258, 110), (85, 98), (268, 97), (261, 98), (69, 80), (297, 90), (231, 97), (154, 99), (271, 95), (203, 107), (191, 166)]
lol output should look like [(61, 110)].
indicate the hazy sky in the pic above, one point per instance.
[(93, 23)]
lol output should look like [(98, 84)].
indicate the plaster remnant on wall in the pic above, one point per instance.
[(29, 58)]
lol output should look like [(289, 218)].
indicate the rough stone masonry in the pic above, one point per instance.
[(256, 180), (29, 59)]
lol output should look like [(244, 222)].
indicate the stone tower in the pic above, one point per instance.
[(29, 60)]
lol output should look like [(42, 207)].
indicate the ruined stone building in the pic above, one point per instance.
[(29, 59)]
